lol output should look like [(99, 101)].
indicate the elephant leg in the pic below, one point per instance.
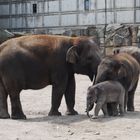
[(97, 109), (109, 109), (115, 109), (58, 90), (121, 104), (14, 88), (121, 108), (112, 109), (125, 100), (17, 112), (130, 102), (104, 109), (70, 96), (3, 102)]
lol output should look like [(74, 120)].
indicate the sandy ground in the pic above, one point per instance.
[(39, 126)]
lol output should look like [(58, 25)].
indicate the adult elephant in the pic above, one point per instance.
[(123, 68), (35, 61), (134, 51)]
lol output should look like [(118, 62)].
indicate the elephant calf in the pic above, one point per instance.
[(103, 93)]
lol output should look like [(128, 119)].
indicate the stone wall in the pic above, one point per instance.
[(116, 35)]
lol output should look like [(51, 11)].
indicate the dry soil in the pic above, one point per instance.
[(39, 126)]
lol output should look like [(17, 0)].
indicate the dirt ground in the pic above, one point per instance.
[(39, 126)]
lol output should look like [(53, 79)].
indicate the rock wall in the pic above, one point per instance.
[(116, 35)]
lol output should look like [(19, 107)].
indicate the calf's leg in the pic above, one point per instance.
[(104, 109)]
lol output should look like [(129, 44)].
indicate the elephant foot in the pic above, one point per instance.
[(54, 113), (113, 112), (73, 112), (106, 116), (18, 116), (130, 109), (110, 113), (4, 115), (121, 114), (94, 117)]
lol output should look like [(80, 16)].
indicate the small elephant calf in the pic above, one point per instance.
[(103, 93)]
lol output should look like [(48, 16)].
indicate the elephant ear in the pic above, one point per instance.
[(72, 55), (97, 92), (122, 71)]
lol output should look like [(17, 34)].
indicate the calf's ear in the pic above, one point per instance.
[(72, 55), (97, 90)]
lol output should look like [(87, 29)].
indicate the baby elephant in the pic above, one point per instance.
[(103, 93)]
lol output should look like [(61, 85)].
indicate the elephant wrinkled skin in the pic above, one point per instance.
[(35, 61), (103, 93)]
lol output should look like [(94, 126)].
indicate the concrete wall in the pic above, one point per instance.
[(62, 14)]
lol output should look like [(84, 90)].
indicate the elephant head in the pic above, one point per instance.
[(91, 98), (110, 69), (85, 56)]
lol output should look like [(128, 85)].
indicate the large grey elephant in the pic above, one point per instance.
[(35, 61)]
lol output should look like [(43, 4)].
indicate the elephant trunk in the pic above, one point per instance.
[(100, 78), (88, 114), (89, 108)]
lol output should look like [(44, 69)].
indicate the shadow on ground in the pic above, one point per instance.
[(128, 115), (64, 120)]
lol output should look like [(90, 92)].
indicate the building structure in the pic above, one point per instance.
[(56, 16)]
